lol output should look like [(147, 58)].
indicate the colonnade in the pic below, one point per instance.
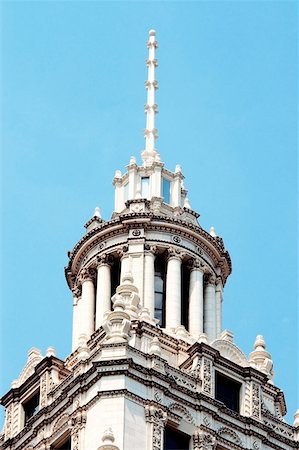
[(205, 295)]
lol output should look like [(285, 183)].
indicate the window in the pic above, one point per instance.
[(175, 440), (115, 275), (145, 187), (185, 282), (31, 406), (126, 192), (227, 391), (160, 272), (166, 190), (65, 445)]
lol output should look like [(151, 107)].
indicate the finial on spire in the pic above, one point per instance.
[(149, 155)]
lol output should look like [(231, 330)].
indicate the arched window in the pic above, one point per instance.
[(160, 278)]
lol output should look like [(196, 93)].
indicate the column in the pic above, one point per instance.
[(219, 299), (210, 308), (196, 299), (75, 334), (87, 302), (103, 295), (149, 280), (173, 290)]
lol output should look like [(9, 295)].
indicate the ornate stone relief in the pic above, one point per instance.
[(229, 435), (78, 423), (182, 411), (157, 417), (255, 401), (8, 421), (43, 390), (230, 351), (34, 357), (207, 384), (203, 441)]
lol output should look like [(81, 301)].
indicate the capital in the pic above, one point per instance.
[(150, 249), (87, 274), (196, 264), (210, 280), (174, 253), (104, 259)]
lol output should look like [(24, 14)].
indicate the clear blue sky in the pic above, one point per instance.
[(72, 94)]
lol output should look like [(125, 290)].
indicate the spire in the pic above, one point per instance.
[(149, 155)]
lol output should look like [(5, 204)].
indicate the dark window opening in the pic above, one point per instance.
[(65, 445), (175, 440), (115, 275), (31, 406), (227, 391), (185, 282), (160, 275)]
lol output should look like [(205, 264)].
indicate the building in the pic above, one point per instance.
[(151, 367)]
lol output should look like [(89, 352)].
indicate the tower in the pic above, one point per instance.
[(151, 367)]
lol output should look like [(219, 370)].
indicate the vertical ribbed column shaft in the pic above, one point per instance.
[(87, 307), (196, 301), (219, 298), (75, 332), (173, 292), (149, 282), (103, 295), (210, 309)]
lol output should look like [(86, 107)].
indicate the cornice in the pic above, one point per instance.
[(120, 226)]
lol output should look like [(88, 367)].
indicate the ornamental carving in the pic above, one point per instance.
[(210, 279), (207, 377), (104, 259), (174, 253), (229, 435), (136, 233), (203, 441), (87, 274), (182, 412), (43, 390), (8, 422), (157, 417), (255, 401), (176, 239)]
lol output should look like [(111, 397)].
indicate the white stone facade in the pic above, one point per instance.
[(148, 349)]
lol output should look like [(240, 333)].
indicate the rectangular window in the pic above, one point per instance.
[(126, 192), (227, 391), (166, 190), (65, 445), (145, 187), (175, 440), (31, 406)]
